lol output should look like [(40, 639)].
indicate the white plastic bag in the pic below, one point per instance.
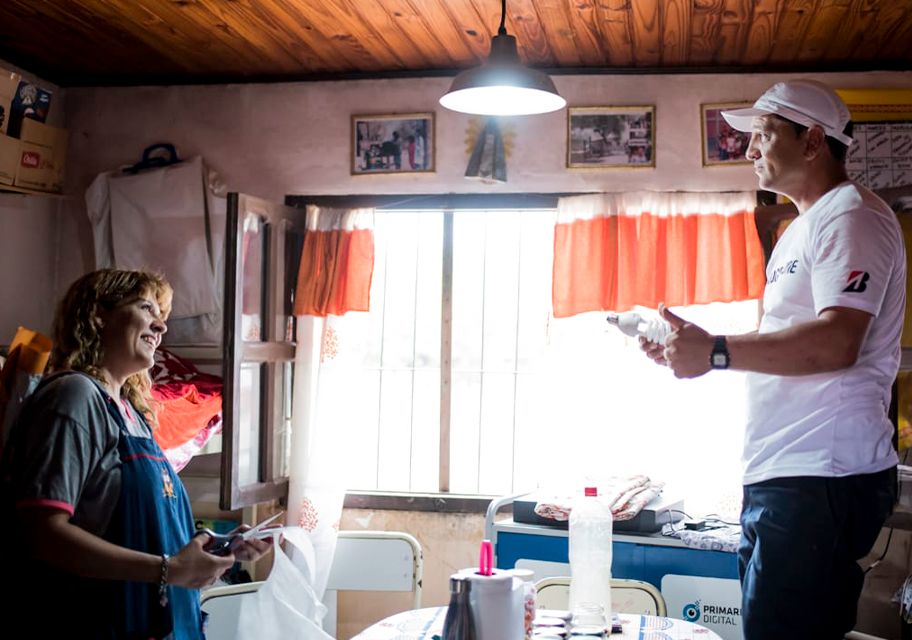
[(285, 607)]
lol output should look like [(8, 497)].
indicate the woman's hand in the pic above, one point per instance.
[(252, 549), (194, 567)]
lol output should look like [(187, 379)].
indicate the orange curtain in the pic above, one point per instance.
[(337, 262), (614, 251)]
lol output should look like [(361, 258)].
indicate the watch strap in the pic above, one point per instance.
[(719, 358)]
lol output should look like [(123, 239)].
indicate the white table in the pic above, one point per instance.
[(424, 624)]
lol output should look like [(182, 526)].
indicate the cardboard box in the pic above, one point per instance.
[(9, 82), (9, 159), (42, 156)]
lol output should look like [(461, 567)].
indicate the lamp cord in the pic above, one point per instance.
[(502, 31)]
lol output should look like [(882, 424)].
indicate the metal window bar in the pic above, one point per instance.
[(481, 372), (446, 353), (381, 369), (516, 353), (414, 354)]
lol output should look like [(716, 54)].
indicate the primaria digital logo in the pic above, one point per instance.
[(691, 612), (711, 613)]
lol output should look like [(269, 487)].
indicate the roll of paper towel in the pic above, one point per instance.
[(497, 605)]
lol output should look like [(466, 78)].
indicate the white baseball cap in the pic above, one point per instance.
[(806, 102)]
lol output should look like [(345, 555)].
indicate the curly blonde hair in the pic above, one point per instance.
[(77, 326)]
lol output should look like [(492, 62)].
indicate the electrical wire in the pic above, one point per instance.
[(672, 531), (712, 520)]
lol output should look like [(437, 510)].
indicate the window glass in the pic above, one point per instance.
[(294, 245), (281, 443), (248, 453), (533, 401), (252, 253)]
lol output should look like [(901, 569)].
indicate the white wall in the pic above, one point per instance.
[(276, 139)]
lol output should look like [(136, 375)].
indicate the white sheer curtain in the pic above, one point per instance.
[(333, 266)]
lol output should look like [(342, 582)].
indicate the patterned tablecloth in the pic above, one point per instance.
[(425, 624)]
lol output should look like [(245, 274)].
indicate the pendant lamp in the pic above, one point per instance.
[(503, 86)]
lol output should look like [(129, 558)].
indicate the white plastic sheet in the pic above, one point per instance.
[(286, 606)]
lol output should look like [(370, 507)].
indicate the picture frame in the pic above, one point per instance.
[(721, 144), (393, 143), (611, 137)]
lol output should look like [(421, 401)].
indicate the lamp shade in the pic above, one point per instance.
[(503, 86)]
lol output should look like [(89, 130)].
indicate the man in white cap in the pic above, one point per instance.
[(819, 464)]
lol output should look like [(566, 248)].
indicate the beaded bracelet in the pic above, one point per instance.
[(163, 581)]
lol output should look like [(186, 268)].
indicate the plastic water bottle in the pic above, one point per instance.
[(458, 623), (528, 578), (633, 324), (590, 553)]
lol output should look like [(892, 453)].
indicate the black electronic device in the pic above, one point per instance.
[(659, 511)]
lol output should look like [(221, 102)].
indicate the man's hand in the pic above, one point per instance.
[(687, 348), (654, 350)]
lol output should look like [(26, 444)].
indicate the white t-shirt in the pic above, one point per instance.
[(846, 251)]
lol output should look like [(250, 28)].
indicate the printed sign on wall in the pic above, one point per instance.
[(882, 154), (714, 603)]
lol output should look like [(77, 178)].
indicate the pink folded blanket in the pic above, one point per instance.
[(627, 497)]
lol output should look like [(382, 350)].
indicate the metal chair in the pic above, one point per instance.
[(364, 561), (373, 561), (627, 596), (223, 604)]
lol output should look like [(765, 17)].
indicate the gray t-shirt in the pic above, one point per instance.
[(64, 452)]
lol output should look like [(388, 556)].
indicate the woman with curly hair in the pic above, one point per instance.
[(103, 519)]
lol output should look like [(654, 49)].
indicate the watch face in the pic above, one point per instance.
[(719, 360)]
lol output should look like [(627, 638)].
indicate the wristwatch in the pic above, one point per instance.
[(719, 358)]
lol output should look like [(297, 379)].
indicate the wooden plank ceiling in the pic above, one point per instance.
[(77, 42)]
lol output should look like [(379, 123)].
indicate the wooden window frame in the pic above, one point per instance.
[(272, 352)]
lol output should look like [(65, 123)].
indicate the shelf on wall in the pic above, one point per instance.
[(198, 354), (8, 188)]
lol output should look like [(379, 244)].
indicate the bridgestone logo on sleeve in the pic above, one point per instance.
[(857, 282)]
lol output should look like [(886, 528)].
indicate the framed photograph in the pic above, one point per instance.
[(605, 137), (398, 143), (721, 143)]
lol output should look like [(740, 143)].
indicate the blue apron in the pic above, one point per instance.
[(153, 515)]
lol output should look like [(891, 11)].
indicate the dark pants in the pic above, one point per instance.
[(800, 542)]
